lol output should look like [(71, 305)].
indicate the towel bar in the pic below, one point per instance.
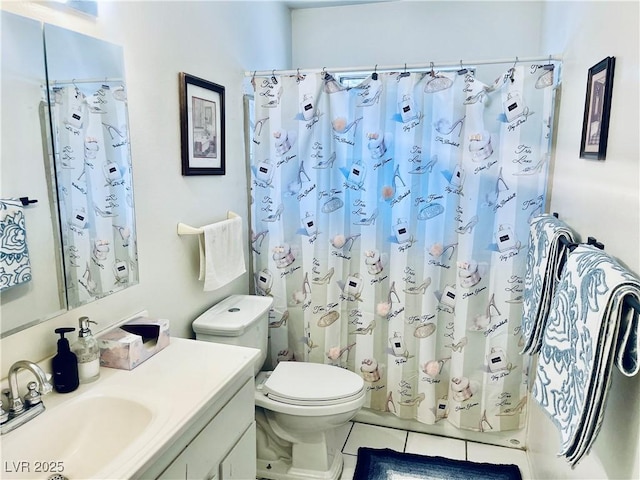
[(631, 302), (26, 201), (184, 229)]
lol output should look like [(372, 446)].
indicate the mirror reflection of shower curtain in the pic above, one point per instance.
[(95, 188), (389, 223)]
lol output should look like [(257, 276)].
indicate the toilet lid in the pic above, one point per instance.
[(303, 383), (232, 316)]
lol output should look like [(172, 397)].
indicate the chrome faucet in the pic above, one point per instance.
[(21, 412)]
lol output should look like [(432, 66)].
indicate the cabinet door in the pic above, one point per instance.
[(201, 458), (240, 461)]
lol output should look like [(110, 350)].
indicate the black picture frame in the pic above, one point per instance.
[(597, 110), (202, 126)]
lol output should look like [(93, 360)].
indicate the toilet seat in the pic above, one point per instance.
[(312, 384)]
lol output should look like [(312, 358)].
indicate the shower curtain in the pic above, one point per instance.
[(95, 188), (389, 222)]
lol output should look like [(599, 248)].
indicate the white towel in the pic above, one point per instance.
[(15, 267), (544, 261), (589, 330), (221, 253)]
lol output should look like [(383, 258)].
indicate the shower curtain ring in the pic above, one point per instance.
[(374, 75), (462, 70)]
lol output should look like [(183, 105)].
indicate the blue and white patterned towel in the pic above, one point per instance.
[(15, 267), (544, 260), (589, 330)]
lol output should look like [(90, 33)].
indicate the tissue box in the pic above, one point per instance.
[(133, 342)]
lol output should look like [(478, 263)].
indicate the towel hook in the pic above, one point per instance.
[(548, 66), (27, 201)]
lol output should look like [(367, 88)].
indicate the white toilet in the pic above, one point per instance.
[(298, 404)]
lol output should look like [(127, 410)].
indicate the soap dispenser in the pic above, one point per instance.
[(65, 365), (87, 351)]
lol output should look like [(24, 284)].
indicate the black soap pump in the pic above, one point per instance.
[(65, 365)]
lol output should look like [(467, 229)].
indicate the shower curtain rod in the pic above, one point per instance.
[(84, 80), (405, 66)]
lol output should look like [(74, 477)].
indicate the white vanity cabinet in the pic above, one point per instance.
[(225, 448), (187, 412)]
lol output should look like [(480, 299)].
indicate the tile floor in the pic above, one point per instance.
[(354, 435)]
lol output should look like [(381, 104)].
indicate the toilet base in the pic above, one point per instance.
[(282, 470)]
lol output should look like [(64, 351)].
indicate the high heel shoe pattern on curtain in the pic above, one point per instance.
[(324, 280), (370, 220), (427, 167), (391, 404), (484, 421), (420, 289), (445, 127), (482, 322), (336, 353), (363, 331), (257, 239), (417, 400), (274, 217), (509, 412), (468, 228), (281, 322), (389, 191), (534, 169), (328, 163), (295, 186), (491, 198)]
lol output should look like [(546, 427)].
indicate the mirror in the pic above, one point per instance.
[(88, 103), (66, 146), (26, 171)]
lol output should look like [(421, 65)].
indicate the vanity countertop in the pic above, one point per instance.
[(170, 391)]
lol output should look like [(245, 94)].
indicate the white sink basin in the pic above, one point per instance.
[(76, 439), (124, 424)]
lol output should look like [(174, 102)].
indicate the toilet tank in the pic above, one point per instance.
[(237, 320)]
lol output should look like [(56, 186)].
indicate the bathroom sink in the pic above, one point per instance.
[(76, 439), (127, 423)]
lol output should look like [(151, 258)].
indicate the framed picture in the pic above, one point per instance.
[(202, 126), (595, 126)]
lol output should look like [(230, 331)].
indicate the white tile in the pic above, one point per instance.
[(479, 452), (349, 467), (436, 446), (363, 435), (341, 434)]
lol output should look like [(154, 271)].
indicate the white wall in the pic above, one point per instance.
[(217, 41), (598, 199), (414, 32)]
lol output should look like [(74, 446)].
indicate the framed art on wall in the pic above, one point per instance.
[(597, 108), (201, 126)]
